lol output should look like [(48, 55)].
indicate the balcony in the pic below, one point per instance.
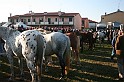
[(71, 23), (31, 23), (46, 23), (41, 23), (55, 22), (52, 23), (60, 23)]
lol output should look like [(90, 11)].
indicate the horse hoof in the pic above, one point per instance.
[(46, 70), (60, 78), (63, 77), (10, 80)]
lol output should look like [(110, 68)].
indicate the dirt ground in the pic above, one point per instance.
[(96, 66)]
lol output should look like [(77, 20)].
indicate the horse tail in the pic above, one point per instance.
[(67, 56), (40, 54)]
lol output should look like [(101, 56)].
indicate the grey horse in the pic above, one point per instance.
[(59, 44)]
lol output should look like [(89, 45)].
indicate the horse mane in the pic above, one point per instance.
[(11, 31)]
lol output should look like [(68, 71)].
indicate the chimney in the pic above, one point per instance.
[(30, 11), (10, 14), (59, 13), (105, 13), (45, 13)]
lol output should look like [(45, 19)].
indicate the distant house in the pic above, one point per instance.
[(49, 19), (92, 24), (87, 23), (117, 16)]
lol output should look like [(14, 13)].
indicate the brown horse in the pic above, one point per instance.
[(75, 46)]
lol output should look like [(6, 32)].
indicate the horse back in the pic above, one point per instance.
[(73, 39)]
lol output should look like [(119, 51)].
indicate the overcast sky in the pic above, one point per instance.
[(92, 9)]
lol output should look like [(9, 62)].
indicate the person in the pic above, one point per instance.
[(107, 34), (115, 35), (119, 47)]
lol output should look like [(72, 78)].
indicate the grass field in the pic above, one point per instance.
[(96, 66)]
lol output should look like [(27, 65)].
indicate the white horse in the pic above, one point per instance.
[(28, 44), (59, 44)]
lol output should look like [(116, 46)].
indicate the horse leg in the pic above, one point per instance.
[(48, 60), (82, 47), (62, 64), (20, 61), (35, 72), (67, 66), (46, 64), (39, 68), (10, 58), (31, 67), (9, 54), (73, 54), (77, 56)]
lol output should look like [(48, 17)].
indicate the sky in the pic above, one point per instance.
[(91, 9)]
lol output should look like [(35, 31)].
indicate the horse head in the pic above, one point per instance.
[(5, 32)]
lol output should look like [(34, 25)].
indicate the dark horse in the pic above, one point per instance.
[(86, 37)]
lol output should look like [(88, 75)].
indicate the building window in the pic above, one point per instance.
[(34, 20), (56, 19), (49, 20), (70, 19), (41, 19), (12, 21), (24, 21), (82, 22), (29, 20), (21, 20), (62, 19), (17, 20)]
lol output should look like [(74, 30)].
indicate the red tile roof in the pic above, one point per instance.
[(84, 18), (46, 14), (91, 21), (114, 12)]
